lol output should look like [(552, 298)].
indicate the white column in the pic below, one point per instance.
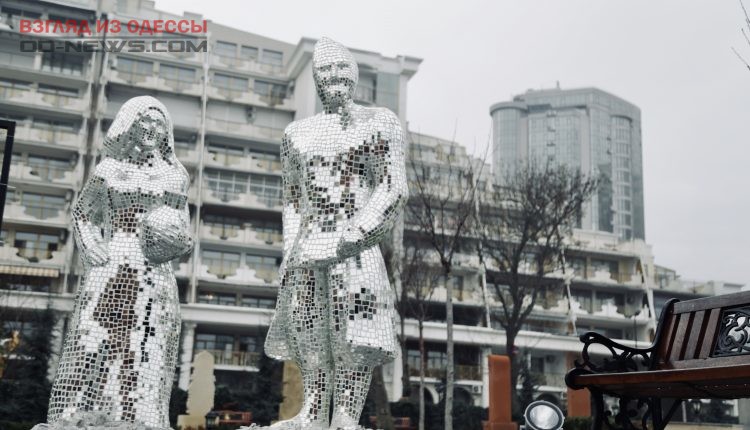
[(56, 344), (485, 376), (396, 385), (186, 356)]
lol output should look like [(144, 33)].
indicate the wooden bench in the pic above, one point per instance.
[(701, 350)]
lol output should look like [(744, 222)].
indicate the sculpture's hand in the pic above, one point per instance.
[(97, 255), (351, 243)]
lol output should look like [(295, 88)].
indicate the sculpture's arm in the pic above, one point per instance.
[(390, 191), (188, 241), (290, 193), (181, 236), (88, 217)]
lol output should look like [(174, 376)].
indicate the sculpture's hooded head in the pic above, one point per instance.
[(142, 126), (335, 73)]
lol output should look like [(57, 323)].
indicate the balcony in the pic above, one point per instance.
[(16, 211), (155, 82), (240, 274), (241, 236), (245, 199), (134, 79), (47, 175), (245, 65), (463, 372), (179, 86), (32, 257), (182, 267), (187, 156), (233, 358), (31, 96), (245, 163), (248, 97), (243, 130), (51, 136)]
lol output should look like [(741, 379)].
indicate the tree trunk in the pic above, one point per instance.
[(449, 371), (405, 377), (383, 409), (421, 374), (510, 345)]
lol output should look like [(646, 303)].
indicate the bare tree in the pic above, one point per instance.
[(419, 280), (745, 31), (524, 223), (440, 210)]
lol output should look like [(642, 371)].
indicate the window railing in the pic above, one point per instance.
[(221, 269), (41, 212), (466, 372), (35, 254), (234, 358), (225, 231)]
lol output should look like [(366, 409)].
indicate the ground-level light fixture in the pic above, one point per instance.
[(543, 415), (212, 420)]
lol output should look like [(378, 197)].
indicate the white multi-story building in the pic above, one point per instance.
[(229, 108)]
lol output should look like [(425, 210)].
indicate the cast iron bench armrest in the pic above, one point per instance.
[(624, 358)]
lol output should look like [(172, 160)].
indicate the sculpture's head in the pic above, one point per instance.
[(141, 126), (335, 73)]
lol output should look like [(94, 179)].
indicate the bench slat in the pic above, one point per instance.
[(666, 339), (710, 335), (714, 302), (678, 341), (718, 375), (696, 335)]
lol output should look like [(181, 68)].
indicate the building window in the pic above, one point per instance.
[(226, 185), (42, 206), (183, 148), (174, 73), (248, 53), (36, 246), (262, 262), (48, 168), (226, 49), (226, 154), (251, 344), (274, 58), (268, 231), (228, 82), (223, 226), (602, 298), (222, 299), (213, 342), (269, 89), (584, 298), (266, 160), (26, 283), (65, 64), (18, 85), (58, 91), (266, 188), (258, 302), (63, 126), (134, 67), (221, 264)]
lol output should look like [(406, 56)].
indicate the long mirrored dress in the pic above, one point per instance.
[(130, 220)]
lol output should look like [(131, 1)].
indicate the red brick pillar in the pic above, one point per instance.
[(579, 401), (500, 401)]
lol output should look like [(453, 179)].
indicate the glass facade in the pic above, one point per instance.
[(587, 129)]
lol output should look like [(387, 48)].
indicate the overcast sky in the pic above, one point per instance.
[(671, 58)]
